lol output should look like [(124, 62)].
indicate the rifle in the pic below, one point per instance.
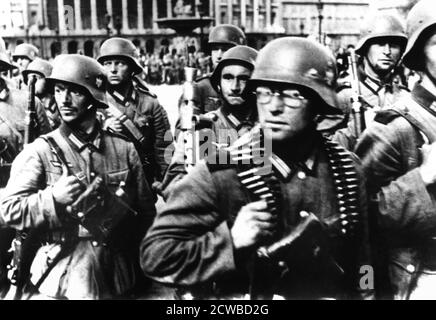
[(357, 109), (24, 245), (31, 122)]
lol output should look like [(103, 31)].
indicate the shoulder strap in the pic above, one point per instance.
[(57, 151), (128, 124)]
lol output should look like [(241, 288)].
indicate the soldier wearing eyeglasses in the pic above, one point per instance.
[(293, 224)]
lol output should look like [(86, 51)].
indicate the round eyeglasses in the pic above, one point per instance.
[(290, 97)]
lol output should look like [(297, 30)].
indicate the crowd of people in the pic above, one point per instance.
[(169, 68), (283, 179)]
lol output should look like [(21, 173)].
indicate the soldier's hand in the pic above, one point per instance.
[(253, 224), (114, 123), (67, 189)]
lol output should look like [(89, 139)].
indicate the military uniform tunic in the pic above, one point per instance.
[(190, 243), (405, 213), (375, 96), (225, 130), (89, 269), (143, 108)]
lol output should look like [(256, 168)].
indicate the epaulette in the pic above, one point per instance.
[(343, 85), (140, 86), (386, 116), (146, 91), (203, 77), (403, 87), (116, 134), (344, 81)]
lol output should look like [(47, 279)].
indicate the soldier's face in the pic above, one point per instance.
[(383, 55), (40, 84), (72, 101), (217, 52), (283, 113), (118, 71), (430, 56), (233, 83), (22, 63)]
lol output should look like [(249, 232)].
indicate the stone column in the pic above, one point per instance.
[(211, 6), (125, 16), (230, 11), (77, 15), (25, 6), (154, 14), (217, 12), (279, 18), (169, 9), (243, 13), (140, 15), (110, 12), (94, 25), (256, 15), (268, 13), (61, 17)]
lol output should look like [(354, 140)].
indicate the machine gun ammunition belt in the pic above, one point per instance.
[(346, 182)]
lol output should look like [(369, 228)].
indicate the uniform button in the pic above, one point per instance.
[(80, 215), (94, 243), (92, 174), (410, 268), (301, 175)]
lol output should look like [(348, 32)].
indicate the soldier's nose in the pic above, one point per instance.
[(387, 48)]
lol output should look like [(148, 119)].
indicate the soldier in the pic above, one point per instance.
[(41, 69), (380, 50), (84, 190), (133, 110), (221, 38), (13, 108), (401, 171), (23, 55), (235, 117), (216, 217)]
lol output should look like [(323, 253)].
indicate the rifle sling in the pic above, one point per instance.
[(73, 167)]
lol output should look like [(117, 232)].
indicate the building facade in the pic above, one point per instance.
[(70, 26)]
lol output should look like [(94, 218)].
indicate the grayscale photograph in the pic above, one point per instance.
[(217, 150)]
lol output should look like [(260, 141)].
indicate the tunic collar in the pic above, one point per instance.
[(81, 140)]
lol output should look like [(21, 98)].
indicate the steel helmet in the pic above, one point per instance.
[(419, 20), (381, 26), (82, 71), (227, 34), (119, 47), (26, 50), (39, 66), (299, 61), (242, 55)]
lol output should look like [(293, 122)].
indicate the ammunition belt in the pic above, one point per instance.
[(259, 179), (346, 184), (262, 186)]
